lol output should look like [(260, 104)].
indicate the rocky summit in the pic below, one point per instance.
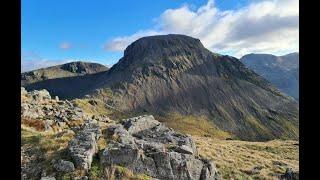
[(167, 74), (144, 145)]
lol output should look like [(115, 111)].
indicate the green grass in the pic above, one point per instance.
[(90, 109), (235, 159), (124, 173), (96, 172), (48, 143), (199, 126)]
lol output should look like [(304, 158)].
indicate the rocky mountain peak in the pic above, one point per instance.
[(152, 44), (83, 67), (164, 50)]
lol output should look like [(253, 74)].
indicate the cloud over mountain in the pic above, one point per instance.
[(264, 26)]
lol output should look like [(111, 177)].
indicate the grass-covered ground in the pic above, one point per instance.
[(196, 126), (250, 160)]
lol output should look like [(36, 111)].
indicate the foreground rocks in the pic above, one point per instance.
[(84, 146), (38, 105), (63, 166), (144, 145)]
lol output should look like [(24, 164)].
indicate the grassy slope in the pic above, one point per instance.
[(198, 126), (236, 159)]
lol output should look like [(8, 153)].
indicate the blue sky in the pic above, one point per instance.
[(56, 31)]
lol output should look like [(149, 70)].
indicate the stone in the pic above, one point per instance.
[(61, 124), (40, 95), (48, 178), (83, 146), (47, 125), (23, 91), (290, 175), (81, 178), (63, 166), (82, 150), (184, 149), (209, 171), (138, 124), (153, 149)]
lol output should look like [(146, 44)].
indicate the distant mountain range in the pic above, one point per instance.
[(169, 74), (77, 68), (282, 71)]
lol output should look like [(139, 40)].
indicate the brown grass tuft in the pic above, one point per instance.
[(33, 123)]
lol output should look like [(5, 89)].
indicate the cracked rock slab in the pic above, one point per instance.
[(144, 145)]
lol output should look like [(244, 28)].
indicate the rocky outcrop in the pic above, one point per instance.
[(84, 145), (38, 105), (144, 145)]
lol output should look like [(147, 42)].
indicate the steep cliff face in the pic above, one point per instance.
[(175, 73)]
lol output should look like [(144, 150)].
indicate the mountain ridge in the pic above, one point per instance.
[(75, 68), (174, 74), (282, 71)]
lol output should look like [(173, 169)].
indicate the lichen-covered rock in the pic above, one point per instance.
[(144, 145), (84, 145), (138, 124), (48, 178), (40, 95), (63, 166)]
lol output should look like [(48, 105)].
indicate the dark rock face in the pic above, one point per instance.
[(175, 73), (155, 150), (290, 175), (65, 70), (282, 71)]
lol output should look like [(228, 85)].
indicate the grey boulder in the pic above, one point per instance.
[(63, 166), (84, 145), (144, 145)]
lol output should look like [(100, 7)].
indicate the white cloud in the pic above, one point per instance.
[(120, 43), (65, 45), (269, 26)]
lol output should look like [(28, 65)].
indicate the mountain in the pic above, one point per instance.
[(169, 74), (60, 71), (282, 71)]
